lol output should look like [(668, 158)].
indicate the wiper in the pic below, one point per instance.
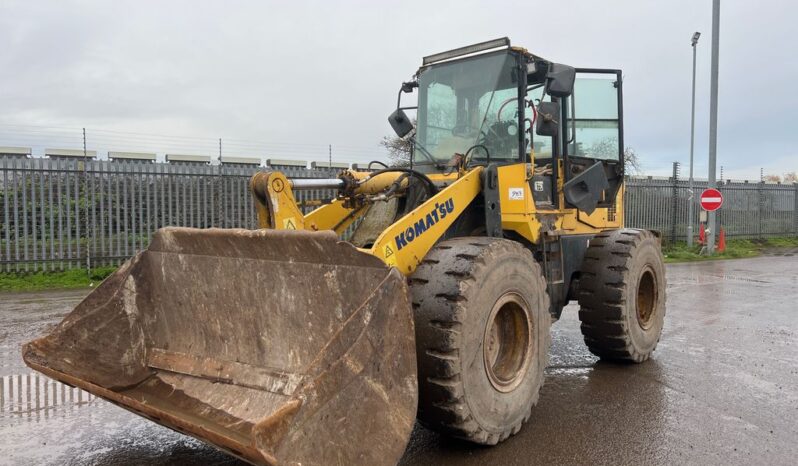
[(485, 118), (426, 153)]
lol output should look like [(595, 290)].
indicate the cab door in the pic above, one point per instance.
[(593, 140)]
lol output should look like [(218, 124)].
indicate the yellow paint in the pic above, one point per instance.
[(276, 206), (410, 253), (333, 216), (512, 180)]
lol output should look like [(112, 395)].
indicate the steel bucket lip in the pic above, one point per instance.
[(231, 444)]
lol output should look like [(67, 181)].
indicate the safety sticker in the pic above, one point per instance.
[(516, 194), (390, 256), (289, 223)]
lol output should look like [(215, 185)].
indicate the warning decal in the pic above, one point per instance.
[(289, 223), (390, 256)]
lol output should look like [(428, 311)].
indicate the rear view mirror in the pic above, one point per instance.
[(560, 80), (548, 122), (400, 123)]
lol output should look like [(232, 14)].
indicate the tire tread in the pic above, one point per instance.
[(601, 294), (440, 287)]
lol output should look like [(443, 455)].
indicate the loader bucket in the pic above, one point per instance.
[(279, 347)]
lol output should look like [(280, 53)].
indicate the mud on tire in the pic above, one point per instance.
[(622, 295), (482, 337)]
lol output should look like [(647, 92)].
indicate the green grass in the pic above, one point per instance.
[(678, 252), (735, 249), (76, 278), (784, 242)]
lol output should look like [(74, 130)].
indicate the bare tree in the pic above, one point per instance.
[(398, 150), (791, 177), (632, 161), (607, 148), (772, 178)]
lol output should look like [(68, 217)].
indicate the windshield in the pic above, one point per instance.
[(469, 103)]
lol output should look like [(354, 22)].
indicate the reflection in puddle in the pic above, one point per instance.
[(741, 278), (708, 278), (33, 395), (577, 371)]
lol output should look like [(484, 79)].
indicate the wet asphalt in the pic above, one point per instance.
[(722, 388)]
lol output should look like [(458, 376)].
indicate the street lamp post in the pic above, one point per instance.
[(713, 119), (691, 200)]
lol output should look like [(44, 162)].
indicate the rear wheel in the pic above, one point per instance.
[(482, 337), (622, 295)]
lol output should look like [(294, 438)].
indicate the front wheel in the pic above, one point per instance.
[(482, 337)]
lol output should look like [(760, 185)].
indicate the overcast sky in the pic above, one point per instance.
[(301, 75)]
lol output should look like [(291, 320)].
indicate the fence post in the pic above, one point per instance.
[(219, 192), (219, 188), (760, 203), (674, 201), (86, 210), (795, 209)]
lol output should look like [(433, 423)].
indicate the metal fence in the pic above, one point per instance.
[(750, 209), (61, 214)]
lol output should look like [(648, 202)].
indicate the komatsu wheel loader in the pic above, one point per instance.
[(424, 291)]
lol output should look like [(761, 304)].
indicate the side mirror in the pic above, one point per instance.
[(400, 123), (548, 123), (560, 80)]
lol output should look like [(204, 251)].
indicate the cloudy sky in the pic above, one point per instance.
[(290, 78)]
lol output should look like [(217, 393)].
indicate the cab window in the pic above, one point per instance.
[(594, 126)]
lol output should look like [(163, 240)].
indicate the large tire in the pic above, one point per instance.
[(622, 295), (482, 337)]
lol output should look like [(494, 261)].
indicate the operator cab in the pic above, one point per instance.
[(491, 103)]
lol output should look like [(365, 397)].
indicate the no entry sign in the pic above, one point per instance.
[(711, 199)]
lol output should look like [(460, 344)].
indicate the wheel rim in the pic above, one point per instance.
[(507, 344), (646, 298)]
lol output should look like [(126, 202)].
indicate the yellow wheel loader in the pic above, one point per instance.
[(424, 291)]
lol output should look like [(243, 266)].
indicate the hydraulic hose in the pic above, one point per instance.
[(429, 186)]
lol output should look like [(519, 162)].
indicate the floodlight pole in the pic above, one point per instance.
[(713, 119), (691, 199)]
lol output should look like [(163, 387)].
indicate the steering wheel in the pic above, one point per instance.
[(501, 107), (512, 99)]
